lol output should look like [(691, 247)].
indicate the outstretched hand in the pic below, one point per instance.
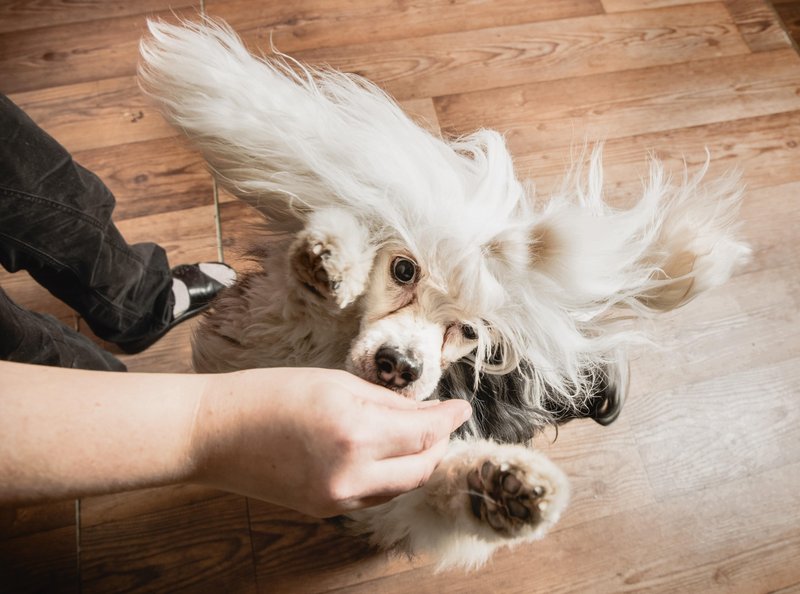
[(319, 441)]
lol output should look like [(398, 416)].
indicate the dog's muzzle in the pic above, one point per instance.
[(396, 369)]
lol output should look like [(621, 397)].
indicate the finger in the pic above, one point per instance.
[(393, 476), (374, 393), (381, 395), (412, 431)]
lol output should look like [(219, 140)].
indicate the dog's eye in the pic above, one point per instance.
[(404, 270), (468, 332)]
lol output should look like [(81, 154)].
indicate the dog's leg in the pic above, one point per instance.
[(332, 257), (482, 496)]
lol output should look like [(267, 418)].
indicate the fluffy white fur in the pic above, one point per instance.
[(504, 286)]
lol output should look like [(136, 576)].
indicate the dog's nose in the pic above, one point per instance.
[(396, 369)]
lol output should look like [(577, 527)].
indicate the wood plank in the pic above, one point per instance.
[(693, 453), (40, 562), (296, 553), (96, 114), (151, 177), (423, 112), (793, 589), (605, 469), (105, 509), (187, 235), (764, 149), (198, 547), (714, 540), (564, 113), (22, 521), (73, 53), (490, 58), (37, 548), (759, 25), (626, 5), (20, 16), (789, 14), (306, 24), (696, 343)]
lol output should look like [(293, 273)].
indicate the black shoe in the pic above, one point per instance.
[(202, 290)]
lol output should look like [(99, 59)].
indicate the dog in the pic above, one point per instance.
[(425, 265)]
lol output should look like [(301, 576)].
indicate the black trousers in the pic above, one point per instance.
[(55, 222)]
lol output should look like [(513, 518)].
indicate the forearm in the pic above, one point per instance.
[(65, 433)]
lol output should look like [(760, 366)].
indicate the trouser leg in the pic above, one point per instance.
[(55, 222), (29, 337)]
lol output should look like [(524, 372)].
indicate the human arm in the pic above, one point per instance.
[(319, 441)]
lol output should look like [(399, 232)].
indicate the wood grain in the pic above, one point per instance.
[(789, 13), (626, 5), (759, 25), (151, 177), (37, 548), (763, 149), (45, 561), (96, 114), (453, 63), (310, 24), (197, 547), (566, 112), (21, 15), (73, 53), (297, 553)]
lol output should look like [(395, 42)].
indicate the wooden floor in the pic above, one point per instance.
[(694, 489)]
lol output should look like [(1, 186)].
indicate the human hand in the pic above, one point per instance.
[(320, 441)]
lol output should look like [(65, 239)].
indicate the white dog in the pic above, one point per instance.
[(424, 265)]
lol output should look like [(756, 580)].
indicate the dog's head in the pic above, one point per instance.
[(423, 334), (468, 297)]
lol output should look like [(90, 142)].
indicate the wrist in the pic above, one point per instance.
[(217, 424)]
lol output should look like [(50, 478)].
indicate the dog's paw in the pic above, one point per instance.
[(332, 257), (505, 499)]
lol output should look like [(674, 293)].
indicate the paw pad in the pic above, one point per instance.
[(504, 501), (314, 270)]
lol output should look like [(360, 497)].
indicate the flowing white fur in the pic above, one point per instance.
[(550, 287)]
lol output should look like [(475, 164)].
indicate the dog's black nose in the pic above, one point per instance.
[(396, 369)]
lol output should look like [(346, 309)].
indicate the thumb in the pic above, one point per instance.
[(414, 431), (456, 410), (439, 420)]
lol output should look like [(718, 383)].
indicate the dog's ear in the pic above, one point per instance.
[(674, 243), (505, 410)]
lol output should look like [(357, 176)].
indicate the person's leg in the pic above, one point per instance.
[(29, 337), (55, 222)]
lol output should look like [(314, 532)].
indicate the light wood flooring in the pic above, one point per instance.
[(695, 489)]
